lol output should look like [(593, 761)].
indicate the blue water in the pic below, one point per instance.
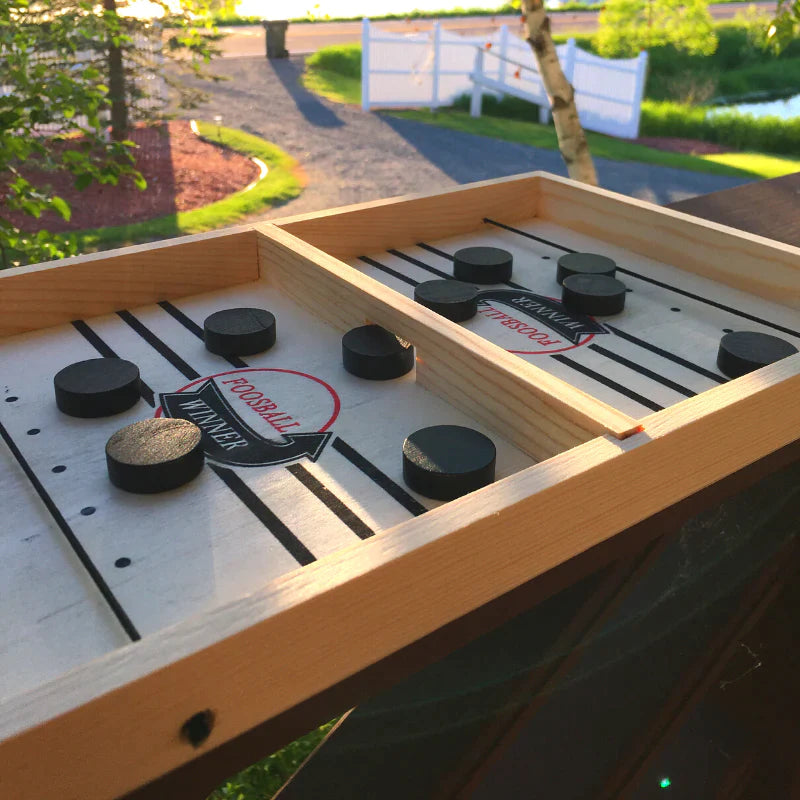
[(786, 109)]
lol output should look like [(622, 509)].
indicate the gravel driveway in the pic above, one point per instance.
[(350, 156)]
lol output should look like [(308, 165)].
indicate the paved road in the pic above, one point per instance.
[(351, 156), (307, 38)]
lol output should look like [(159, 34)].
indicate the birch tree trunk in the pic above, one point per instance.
[(571, 138)]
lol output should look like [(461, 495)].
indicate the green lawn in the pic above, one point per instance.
[(765, 165), (279, 185)]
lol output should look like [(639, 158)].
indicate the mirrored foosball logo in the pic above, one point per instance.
[(532, 324), (257, 417)]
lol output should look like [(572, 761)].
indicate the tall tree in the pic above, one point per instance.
[(571, 138), (135, 49)]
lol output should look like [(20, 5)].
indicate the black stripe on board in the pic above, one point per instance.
[(528, 235), (648, 373), (194, 328), (265, 516), (660, 284), (417, 262), (105, 351), (388, 270), (617, 387), (380, 478), (69, 534), (326, 496), (435, 250), (665, 354), (157, 344)]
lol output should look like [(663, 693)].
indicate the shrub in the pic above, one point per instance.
[(628, 26), (739, 131), (344, 59)]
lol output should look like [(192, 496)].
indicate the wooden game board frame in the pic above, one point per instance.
[(114, 724)]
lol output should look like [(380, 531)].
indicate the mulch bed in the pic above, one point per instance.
[(182, 172), (692, 147)]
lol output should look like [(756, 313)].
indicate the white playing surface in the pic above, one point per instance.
[(660, 350), (201, 545)]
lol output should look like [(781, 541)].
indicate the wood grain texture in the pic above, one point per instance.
[(42, 295), (400, 221), (541, 414), (128, 707), (766, 208), (742, 260)]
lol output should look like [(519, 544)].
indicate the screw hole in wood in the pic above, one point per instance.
[(198, 727)]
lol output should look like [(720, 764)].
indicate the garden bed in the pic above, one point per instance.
[(183, 172)]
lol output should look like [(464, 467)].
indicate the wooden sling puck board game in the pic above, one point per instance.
[(300, 554)]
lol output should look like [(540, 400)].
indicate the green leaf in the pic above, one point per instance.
[(31, 208), (82, 181), (61, 205), (140, 182)]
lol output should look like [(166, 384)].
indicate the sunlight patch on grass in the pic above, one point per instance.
[(762, 164)]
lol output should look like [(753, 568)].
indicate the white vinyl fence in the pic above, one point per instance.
[(433, 68)]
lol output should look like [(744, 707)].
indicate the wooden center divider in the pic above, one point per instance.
[(541, 414)]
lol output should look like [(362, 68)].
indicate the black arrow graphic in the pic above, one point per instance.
[(227, 439)]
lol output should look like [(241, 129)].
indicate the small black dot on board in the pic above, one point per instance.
[(629, 290), (58, 468), (122, 562), (727, 330), (545, 258), (88, 511), (674, 309), (198, 727), (12, 399), (33, 431)]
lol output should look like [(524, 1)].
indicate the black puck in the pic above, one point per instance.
[(455, 300), (448, 461), (597, 295), (155, 455), (482, 264), (239, 331), (584, 264), (98, 387), (374, 353), (741, 352)]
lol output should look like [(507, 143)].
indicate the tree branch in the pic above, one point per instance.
[(571, 138)]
